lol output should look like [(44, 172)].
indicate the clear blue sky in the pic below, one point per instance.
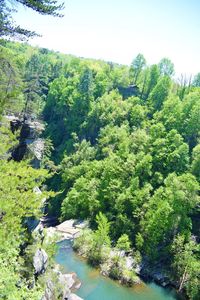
[(117, 30)]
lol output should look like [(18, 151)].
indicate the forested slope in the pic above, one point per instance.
[(120, 140)]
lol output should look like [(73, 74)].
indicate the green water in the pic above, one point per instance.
[(96, 287)]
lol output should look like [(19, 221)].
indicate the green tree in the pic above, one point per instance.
[(18, 202), (160, 93), (182, 116), (195, 165), (186, 265), (196, 80), (168, 213), (152, 80), (37, 78), (7, 25), (101, 240), (11, 83), (166, 67), (136, 67), (81, 200), (169, 152), (190, 128), (124, 243)]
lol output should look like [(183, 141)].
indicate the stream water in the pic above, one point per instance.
[(96, 287)]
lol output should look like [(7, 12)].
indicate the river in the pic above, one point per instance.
[(96, 287)]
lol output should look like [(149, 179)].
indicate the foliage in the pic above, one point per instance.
[(166, 67), (101, 240), (196, 80), (186, 265), (132, 162), (10, 79), (123, 243), (136, 67), (7, 25), (169, 211), (160, 93), (18, 202)]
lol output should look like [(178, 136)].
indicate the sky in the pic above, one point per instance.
[(117, 30)]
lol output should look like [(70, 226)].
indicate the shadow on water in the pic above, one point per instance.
[(96, 287)]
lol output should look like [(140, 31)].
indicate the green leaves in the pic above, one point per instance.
[(136, 67), (168, 212), (18, 202), (7, 25), (10, 79), (133, 162), (166, 67), (186, 265), (195, 166), (160, 93), (123, 243)]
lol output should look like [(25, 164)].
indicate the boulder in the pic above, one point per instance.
[(66, 280), (69, 280), (40, 261), (51, 287)]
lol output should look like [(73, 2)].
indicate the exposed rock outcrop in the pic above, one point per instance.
[(40, 261), (49, 291), (63, 285), (157, 274), (30, 142)]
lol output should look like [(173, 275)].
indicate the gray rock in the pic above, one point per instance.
[(63, 284), (36, 147), (161, 278), (129, 261), (74, 297), (40, 261), (67, 280), (49, 291), (70, 280), (77, 285), (157, 273)]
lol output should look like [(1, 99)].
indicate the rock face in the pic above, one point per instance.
[(40, 262), (66, 283), (29, 141), (71, 228), (36, 148), (19, 152), (49, 291), (157, 274)]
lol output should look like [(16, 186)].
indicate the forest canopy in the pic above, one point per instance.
[(122, 144)]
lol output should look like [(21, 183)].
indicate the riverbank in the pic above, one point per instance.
[(125, 269), (97, 287), (111, 262), (69, 229), (129, 269)]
